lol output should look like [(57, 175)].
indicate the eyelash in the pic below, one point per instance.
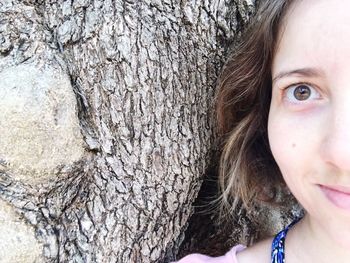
[(294, 100)]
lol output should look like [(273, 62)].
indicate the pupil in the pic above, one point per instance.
[(302, 92)]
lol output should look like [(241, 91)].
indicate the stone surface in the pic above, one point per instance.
[(17, 243), (39, 125)]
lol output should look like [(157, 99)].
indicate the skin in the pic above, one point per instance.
[(310, 139)]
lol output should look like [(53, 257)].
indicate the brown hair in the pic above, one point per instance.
[(248, 172)]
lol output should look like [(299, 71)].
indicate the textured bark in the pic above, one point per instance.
[(143, 75)]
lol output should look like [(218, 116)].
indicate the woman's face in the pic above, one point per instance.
[(309, 119)]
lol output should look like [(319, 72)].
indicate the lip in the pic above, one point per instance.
[(338, 195)]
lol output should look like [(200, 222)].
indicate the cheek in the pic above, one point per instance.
[(281, 147), (294, 141), (287, 150), (289, 142)]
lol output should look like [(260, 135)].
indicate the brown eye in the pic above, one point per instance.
[(302, 92)]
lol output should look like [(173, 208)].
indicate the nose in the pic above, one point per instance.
[(336, 145)]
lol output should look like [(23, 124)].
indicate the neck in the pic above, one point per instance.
[(309, 241)]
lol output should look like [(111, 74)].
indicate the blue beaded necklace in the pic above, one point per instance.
[(277, 253)]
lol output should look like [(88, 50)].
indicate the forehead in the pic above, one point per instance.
[(314, 33)]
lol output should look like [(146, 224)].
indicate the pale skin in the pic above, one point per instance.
[(310, 138)]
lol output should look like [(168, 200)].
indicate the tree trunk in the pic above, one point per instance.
[(105, 122)]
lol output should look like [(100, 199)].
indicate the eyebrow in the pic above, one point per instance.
[(305, 72)]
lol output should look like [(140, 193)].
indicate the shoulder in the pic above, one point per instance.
[(258, 253), (229, 257)]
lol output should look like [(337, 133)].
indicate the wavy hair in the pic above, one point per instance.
[(247, 170)]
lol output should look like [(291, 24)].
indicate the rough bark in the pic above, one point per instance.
[(106, 127)]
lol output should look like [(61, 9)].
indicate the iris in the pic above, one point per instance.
[(302, 92)]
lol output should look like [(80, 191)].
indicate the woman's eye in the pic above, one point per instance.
[(301, 92)]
